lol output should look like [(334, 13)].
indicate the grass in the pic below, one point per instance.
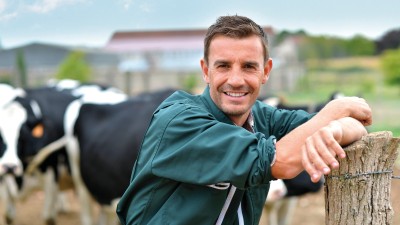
[(352, 76)]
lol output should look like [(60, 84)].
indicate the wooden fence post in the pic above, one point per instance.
[(359, 191)]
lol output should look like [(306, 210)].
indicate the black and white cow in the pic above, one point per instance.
[(28, 123), (104, 140), (281, 102), (8, 189)]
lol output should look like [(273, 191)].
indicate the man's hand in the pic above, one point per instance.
[(320, 149), (349, 107)]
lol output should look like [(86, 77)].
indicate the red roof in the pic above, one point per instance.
[(163, 40)]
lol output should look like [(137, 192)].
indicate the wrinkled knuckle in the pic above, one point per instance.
[(309, 140), (324, 132), (330, 143)]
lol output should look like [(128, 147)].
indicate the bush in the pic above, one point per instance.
[(74, 67)]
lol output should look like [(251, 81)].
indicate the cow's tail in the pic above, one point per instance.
[(44, 153)]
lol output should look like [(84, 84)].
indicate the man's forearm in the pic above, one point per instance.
[(288, 149)]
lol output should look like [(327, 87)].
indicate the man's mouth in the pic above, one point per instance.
[(236, 94)]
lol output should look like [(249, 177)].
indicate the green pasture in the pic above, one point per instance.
[(352, 76)]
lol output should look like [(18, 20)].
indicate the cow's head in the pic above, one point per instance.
[(21, 130)]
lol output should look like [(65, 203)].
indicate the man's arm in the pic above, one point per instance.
[(321, 138)]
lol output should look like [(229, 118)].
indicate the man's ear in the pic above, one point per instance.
[(204, 68), (267, 70)]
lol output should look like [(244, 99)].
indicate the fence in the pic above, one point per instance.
[(359, 191)]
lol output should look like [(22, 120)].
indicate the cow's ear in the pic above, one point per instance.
[(37, 131)]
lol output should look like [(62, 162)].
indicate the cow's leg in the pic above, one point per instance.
[(273, 215), (113, 213), (265, 215), (8, 204), (84, 197), (64, 183), (63, 204), (108, 214), (31, 183), (286, 210), (269, 214), (11, 192), (51, 194)]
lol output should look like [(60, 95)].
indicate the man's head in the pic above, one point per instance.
[(235, 27), (235, 65)]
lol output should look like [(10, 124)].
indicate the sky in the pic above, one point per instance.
[(91, 23)]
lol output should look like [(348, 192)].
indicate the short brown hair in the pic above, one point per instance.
[(235, 27)]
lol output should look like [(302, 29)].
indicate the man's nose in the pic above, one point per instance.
[(236, 78)]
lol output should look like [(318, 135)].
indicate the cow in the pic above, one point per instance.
[(103, 143), (283, 196), (106, 142), (281, 102), (32, 121), (27, 123), (7, 189)]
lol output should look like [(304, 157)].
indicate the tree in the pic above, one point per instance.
[(74, 67), (390, 40), (390, 62), (360, 46), (21, 67)]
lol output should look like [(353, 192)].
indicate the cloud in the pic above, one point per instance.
[(126, 4), (2, 5), (44, 6), (143, 5), (8, 16), (146, 7), (4, 13), (10, 9)]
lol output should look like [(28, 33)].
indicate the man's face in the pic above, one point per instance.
[(235, 72)]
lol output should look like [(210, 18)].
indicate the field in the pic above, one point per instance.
[(353, 77), (359, 77), (310, 208)]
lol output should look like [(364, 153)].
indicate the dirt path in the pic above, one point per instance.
[(310, 210)]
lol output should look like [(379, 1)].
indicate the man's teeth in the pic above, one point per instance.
[(234, 94)]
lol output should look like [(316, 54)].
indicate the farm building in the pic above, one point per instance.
[(137, 61)]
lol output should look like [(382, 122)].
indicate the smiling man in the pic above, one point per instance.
[(209, 158)]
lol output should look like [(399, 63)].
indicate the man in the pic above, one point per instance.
[(208, 159)]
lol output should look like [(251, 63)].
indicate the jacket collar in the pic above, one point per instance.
[(217, 113)]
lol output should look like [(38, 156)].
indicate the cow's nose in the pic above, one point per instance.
[(11, 169)]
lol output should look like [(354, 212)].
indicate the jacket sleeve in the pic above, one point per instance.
[(279, 122), (196, 148)]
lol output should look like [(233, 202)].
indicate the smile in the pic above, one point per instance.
[(235, 94)]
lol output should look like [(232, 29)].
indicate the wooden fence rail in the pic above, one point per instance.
[(359, 191)]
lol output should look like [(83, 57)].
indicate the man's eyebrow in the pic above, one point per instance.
[(219, 62), (252, 63)]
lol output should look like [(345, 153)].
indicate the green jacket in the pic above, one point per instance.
[(193, 156)]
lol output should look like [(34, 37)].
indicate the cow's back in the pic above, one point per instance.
[(110, 137)]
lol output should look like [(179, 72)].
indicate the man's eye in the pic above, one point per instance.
[(249, 67), (223, 66)]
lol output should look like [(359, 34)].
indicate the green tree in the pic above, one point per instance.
[(390, 62), (74, 67), (190, 82), (360, 46), (21, 67)]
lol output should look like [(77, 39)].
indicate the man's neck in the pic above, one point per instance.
[(245, 122)]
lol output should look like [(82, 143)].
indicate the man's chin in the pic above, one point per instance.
[(235, 110)]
